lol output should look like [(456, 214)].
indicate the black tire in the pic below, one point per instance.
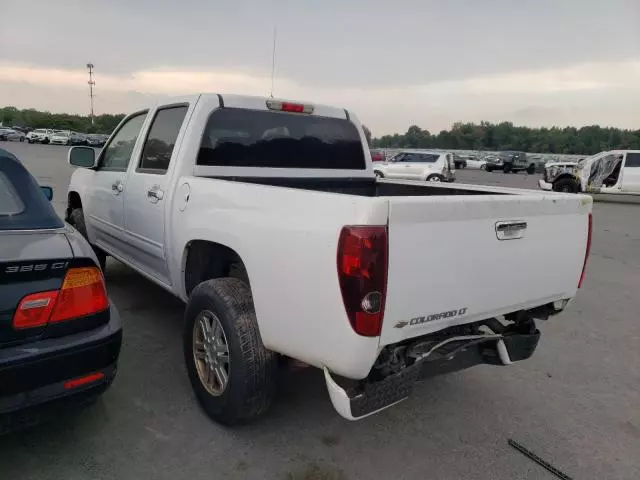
[(45, 141), (29, 140), (506, 168), (566, 185), (253, 369), (21, 139), (531, 169), (77, 220), (435, 178)]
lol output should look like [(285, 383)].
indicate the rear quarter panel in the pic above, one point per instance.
[(287, 239)]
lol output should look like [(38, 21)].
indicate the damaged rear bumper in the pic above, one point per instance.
[(369, 397)]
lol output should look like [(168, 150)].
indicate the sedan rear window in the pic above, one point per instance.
[(23, 206), (237, 137), (10, 203)]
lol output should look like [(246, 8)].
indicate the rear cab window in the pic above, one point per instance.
[(236, 137), (23, 206)]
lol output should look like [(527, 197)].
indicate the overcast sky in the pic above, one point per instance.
[(394, 63)]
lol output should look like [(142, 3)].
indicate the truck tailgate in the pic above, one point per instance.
[(448, 266)]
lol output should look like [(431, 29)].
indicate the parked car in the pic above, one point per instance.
[(9, 134), (613, 174), (40, 135), (517, 162), (425, 165), (492, 163), (377, 155), (357, 276), (475, 163), (459, 162), (60, 138), (59, 335), (96, 140), (77, 139)]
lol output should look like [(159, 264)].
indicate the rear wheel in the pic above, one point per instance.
[(378, 174), (531, 169), (434, 178), (232, 374), (77, 220)]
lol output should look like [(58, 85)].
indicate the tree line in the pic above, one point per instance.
[(31, 118), (506, 136), (462, 136)]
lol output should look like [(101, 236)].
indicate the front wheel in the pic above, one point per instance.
[(378, 174), (565, 185), (232, 374), (434, 178), (77, 220)]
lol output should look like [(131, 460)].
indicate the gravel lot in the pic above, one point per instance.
[(576, 403)]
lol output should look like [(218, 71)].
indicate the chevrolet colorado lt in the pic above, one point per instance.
[(265, 217)]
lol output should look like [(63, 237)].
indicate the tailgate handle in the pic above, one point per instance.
[(510, 230)]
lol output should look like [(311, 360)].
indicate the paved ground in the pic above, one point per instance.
[(576, 402)]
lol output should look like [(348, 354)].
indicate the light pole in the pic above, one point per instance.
[(91, 84)]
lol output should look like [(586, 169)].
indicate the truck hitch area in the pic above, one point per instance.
[(400, 366)]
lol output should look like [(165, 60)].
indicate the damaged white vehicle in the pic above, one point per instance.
[(615, 172)]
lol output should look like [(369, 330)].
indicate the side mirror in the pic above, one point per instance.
[(84, 157), (47, 192)]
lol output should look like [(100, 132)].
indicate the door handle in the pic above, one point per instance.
[(155, 194), (117, 187)]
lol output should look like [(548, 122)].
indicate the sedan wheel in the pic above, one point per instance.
[(211, 353), (434, 178)]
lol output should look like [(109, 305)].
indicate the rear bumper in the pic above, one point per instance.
[(37, 373), (545, 185), (372, 397)]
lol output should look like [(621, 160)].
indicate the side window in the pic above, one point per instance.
[(633, 160), (400, 157), (161, 139), (116, 155)]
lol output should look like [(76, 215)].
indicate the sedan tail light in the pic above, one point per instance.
[(82, 293)]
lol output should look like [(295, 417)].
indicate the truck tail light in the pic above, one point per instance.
[(362, 273), (587, 251), (82, 293)]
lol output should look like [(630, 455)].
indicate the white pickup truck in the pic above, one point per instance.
[(266, 218)]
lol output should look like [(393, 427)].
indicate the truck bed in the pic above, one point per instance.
[(367, 187)]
